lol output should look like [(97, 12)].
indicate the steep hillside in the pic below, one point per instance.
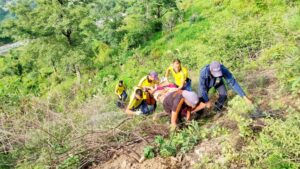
[(58, 108)]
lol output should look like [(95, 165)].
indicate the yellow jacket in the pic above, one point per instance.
[(120, 89), (133, 102)]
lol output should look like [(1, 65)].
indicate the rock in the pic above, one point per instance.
[(124, 164)]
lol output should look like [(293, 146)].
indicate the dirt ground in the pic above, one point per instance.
[(131, 158)]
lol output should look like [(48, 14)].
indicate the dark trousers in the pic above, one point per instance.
[(121, 101), (188, 85), (222, 96), (219, 103), (222, 91), (145, 108)]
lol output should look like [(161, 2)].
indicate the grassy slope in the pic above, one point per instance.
[(248, 37), (243, 36), (259, 42)]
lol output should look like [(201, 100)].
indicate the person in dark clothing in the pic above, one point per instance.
[(179, 104), (213, 75)]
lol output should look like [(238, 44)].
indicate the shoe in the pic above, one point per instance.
[(138, 112)]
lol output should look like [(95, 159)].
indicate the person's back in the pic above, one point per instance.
[(179, 104), (172, 101), (137, 104)]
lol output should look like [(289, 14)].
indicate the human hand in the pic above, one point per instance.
[(199, 107), (173, 127), (208, 104)]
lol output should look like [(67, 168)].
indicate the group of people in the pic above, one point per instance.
[(177, 97)]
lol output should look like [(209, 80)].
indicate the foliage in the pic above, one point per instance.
[(149, 152), (79, 49), (277, 146), (71, 162), (240, 112), (184, 140)]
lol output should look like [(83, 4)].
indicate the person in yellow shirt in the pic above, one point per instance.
[(149, 83), (180, 75), (120, 91), (137, 105)]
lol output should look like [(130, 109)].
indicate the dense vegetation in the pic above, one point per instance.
[(79, 49), (3, 15)]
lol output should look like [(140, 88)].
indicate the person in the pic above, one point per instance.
[(180, 75), (137, 104), (213, 75), (147, 83), (162, 90), (179, 104), (120, 91)]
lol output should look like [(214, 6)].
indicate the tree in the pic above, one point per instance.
[(63, 30), (110, 15), (143, 18)]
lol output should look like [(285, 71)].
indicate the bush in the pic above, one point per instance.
[(277, 146), (239, 111), (184, 140)]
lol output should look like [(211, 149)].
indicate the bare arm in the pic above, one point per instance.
[(199, 107), (129, 112), (174, 116), (188, 115)]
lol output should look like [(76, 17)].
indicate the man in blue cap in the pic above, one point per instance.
[(213, 75)]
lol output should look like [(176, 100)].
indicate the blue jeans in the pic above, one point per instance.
[(188, 85), (146, 109), (123, 96)]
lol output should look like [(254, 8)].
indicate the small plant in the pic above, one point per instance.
[(149, 152), (239, 111), (71, 162), (278, 144), (180, 142)]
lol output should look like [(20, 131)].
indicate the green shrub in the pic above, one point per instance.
[(71, 162), (184, 140), (239, 111), (278, 144), (149, 152)]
